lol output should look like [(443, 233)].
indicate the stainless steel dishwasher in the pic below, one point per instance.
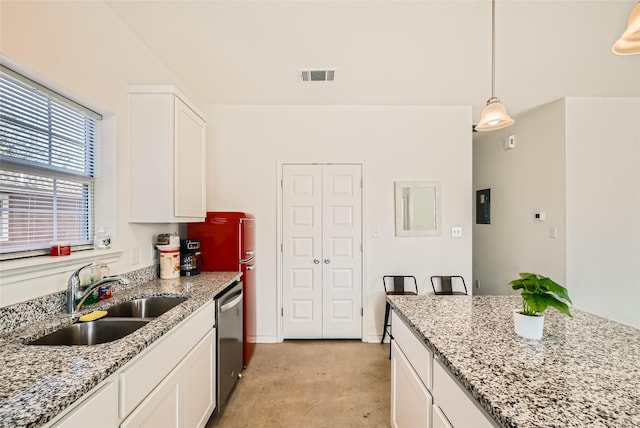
[(228, 341)]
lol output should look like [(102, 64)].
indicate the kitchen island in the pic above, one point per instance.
[(585, 372), (39, 382)]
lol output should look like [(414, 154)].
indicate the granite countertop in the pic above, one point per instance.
[(584, 372), (38, 382)]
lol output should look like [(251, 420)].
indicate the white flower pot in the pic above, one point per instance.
[(527, 326)]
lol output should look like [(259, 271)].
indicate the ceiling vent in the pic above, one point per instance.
[(317, 75)]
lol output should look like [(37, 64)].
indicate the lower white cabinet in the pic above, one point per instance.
[(102, 400), (410, 399), (455, 403), (186, 397), (172, 383), (200, 382), (423, 392), (163, 407)]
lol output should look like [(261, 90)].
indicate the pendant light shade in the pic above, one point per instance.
[(494, 115), (629, 42)]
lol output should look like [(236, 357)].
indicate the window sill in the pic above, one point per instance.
[(35, 267)]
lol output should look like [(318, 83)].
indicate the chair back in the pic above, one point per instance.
[(448, 284), (400, 284)]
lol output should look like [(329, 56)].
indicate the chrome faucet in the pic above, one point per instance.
[(76, 296)]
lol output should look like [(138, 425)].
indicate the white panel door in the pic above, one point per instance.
[(321, 252), (341, 253), (302, 251)]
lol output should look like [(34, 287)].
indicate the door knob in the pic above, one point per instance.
[(327, 261), (316, 261)]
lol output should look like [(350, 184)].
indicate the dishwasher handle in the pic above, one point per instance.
[(232, 303)]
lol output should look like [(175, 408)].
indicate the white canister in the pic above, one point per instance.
[(170, 263)]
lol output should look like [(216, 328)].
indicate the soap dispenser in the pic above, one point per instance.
[(102, 240)]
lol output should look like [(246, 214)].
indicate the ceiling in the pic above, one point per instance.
[(389, 52)]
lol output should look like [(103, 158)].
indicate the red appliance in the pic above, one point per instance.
[(228, 243)]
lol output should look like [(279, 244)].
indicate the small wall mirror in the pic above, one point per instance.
[(417, 208)]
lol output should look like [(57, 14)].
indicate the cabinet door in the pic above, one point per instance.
[(455, 402), (190, 162), (410, 401), (103, 402), (163, 407), (439, 419), (200, 382)]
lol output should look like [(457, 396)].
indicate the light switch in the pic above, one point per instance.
[(553, 232), (456, 232)]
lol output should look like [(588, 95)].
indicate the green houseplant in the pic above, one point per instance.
[(538, 292)]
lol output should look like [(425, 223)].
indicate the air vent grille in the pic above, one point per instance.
[(327, 75)]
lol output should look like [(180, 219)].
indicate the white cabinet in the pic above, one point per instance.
[(423, 392), (102, 400), (186, 397), (163, 407), (172, 383), (458, 407), (168, 157), (410, 399), (200, 382), (439, 419)]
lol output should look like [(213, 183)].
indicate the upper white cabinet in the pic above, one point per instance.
[(168, 157)]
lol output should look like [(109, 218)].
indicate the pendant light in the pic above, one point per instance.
[(494, 115), (629, 42)]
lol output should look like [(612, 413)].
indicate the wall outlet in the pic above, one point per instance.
[(134, 255), (456, 232), (154, 253), (477, 283)]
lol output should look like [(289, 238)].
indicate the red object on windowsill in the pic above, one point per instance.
[(60, 249)]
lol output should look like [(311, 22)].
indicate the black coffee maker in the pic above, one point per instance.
[(190, 257)]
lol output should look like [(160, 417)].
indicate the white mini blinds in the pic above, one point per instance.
[(46, 168)]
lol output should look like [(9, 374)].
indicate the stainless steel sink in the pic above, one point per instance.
[(91, 333), (150, 307)]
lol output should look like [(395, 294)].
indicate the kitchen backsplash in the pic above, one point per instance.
[(20, 314)]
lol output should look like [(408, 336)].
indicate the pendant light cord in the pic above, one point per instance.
[(493, 48)]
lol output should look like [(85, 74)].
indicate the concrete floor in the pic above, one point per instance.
[(312, 384)]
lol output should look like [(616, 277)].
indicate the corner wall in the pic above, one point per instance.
[(246, 145), (603, 206), (578, 159), (524, 180)]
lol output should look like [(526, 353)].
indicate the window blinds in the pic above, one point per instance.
[(46, 169)]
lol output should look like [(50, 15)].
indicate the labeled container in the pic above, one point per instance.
[(104, 292), (169, 262)]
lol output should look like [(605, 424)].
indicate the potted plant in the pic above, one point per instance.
[(538, 292)]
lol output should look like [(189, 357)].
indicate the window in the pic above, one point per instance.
[(47, 147)]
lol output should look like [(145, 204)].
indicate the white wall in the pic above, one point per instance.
[(578, 159), (84, 50), (523, 180), (246, 144), (603, 206)]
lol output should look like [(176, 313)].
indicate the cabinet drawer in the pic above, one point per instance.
[(139, 378), (454, 401), (416, 351), (411, 402), (102, 400)]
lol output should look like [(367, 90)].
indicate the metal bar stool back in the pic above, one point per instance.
[(448, 285), (396, 285)]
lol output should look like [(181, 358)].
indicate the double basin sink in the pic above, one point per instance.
[(121, 320)]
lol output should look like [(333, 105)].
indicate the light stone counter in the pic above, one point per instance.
[(585, 372), (38, 382)]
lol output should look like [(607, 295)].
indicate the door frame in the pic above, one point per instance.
[(279, 244)]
